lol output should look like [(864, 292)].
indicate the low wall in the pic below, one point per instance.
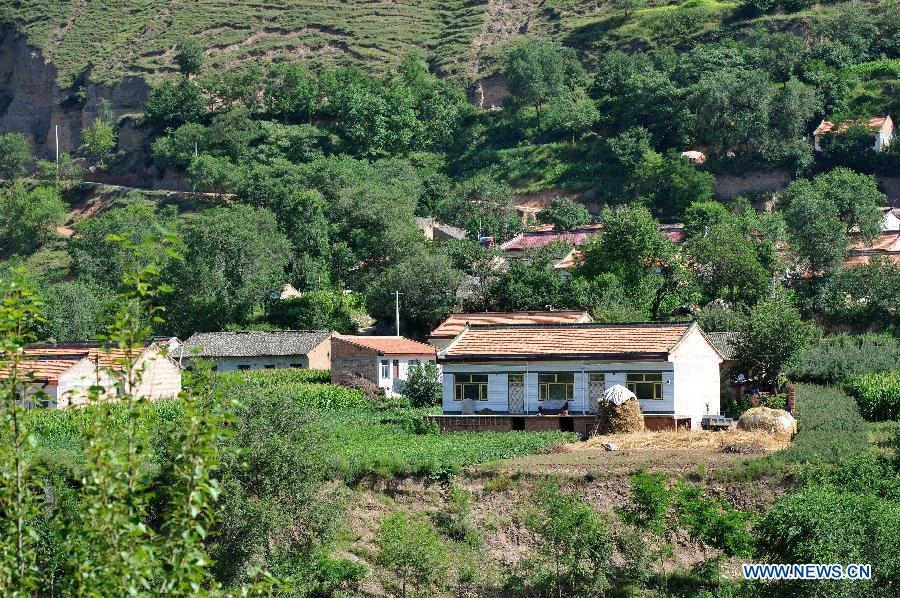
[(580, 424)]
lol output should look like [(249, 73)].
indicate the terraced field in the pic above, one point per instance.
[(463, 39)]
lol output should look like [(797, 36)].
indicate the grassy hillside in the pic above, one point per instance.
[(463, 38)]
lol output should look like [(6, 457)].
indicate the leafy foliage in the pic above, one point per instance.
[(878, 395)]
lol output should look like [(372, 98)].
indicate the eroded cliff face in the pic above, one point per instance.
[(32, 102)]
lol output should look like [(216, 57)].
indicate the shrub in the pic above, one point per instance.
[(423, 385), (410, 548), (834, 359), (829, 426), (878, 395)]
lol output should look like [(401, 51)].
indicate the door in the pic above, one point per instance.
[(516, 393), (596, 388), (396, 369)]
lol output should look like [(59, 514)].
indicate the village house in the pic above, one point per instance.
[(64, 373), (435, 230), (881, 128), (450, 328), (229, 351), (382, 360), (560, 372)]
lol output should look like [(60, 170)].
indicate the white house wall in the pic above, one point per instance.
[(230, 364), (390, 384), (614, 373), (697, 381)]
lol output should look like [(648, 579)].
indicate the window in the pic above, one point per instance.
[(556, 387), (413, 363), (597, 378), (517, 378), (297, 366), (647, 385), (244, 367), (270, 367), (470, 386), (385, 369)]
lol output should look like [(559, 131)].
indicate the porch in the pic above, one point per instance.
[(581, 424)]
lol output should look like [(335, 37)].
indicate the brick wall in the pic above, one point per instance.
[(349, 360)]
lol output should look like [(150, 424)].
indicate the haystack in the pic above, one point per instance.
[(618, 412), (774, 421)]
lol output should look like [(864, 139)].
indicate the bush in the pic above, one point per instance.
[(829, 426), (878, 395), (410, 548), (834, 359), (422, 385)]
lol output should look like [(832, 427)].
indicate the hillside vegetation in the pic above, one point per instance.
[(462, 38)]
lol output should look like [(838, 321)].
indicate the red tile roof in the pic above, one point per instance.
[(875, 123), (389, 345), (43, 370), (621, 341), (105, 358), (545, 234), (455, 323)]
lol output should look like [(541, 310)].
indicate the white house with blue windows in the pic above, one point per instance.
[(565, 368)]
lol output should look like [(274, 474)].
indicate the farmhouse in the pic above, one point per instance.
[(230, 351), (450, 328), (564, 369), (64, 373), (881, 128), (383, 360)]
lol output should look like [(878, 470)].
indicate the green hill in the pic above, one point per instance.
[(462, 38)]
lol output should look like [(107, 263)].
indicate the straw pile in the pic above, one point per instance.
[(619, 419), (773, 421), (724, 441)]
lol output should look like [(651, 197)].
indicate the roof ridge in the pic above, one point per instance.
[(531, 326)]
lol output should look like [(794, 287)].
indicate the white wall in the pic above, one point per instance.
[(614, 373), (390, 384), (697, 381)]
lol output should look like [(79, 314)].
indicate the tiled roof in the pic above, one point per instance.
[(389, 345), (875, 123), (545, 234), (454, 323), (106, 358), (621, 341), (724, 342), (44, 370), (251, 344)]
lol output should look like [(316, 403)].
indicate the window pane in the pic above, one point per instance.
[(479, 378), (457, 392), (651, 377), (644, 391), (484, 392), (566, 377), (544, 378), (516, 378), (557, 392), (597, 377)]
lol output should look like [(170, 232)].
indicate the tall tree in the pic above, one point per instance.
[(539, 71), (14, 155), (27, 217), (565, 214)]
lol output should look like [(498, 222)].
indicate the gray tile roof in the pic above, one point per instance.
[(251, 344), (724, 342)]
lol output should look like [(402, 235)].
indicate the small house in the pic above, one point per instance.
[(534, 369), (383, 360), (450, 328), (881, 128), (228, 351), (65, 373)]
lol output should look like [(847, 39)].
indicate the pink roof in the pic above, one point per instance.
[(455, 323), (389, 345), (544, 234)]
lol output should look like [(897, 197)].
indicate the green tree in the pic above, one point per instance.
[(865, 295), (237, 257), (671, 183), (75, 311), (171, 105), (177, 148), (189, 56), (66, 174), (422, 385), (27, 217), (732, 109), (628, 6), (15, 155), (99, 139), (539, 72), (212, 174), (821, 213), (532, 283), (771, 340), (317, 310), (410, 549), (427, 282), (574, 545), (631, 248), (291, 92), (565, 214), (573, 113), (98, 256)]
